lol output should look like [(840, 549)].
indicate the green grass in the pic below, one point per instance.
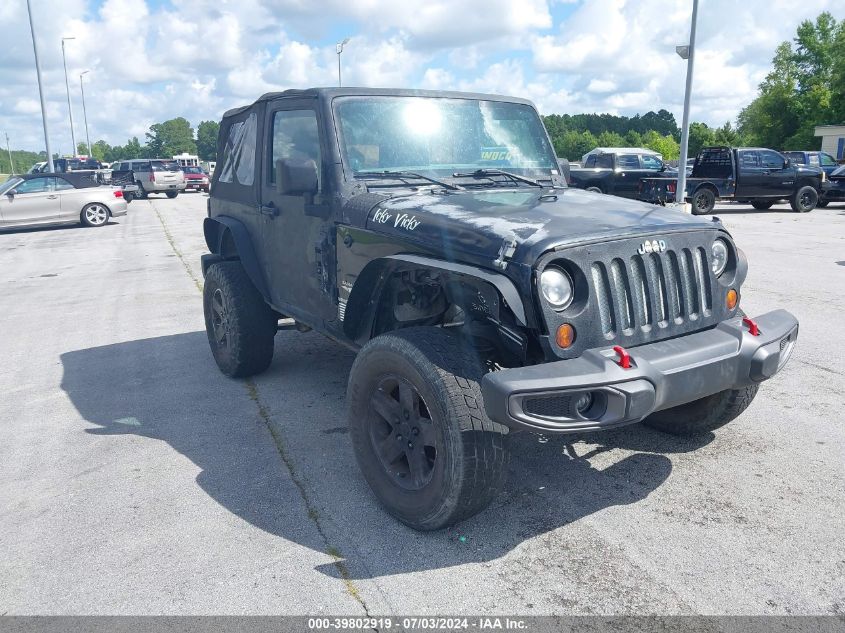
[(3, 178)]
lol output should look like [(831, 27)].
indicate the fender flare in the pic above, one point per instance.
[(361, 302), (221, 234)]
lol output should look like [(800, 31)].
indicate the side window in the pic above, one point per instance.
[(652, 162), (239, 152), (771, 160), (295, 135), (591, 161), (34, 185), (748, 161), (604, 160), (827, 160), (62, 184), (814, 160), (628, 161)]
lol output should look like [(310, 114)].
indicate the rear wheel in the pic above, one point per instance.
[(703, 201), (418, 427), (805, 199), (821, 204), (595, 189), (94, 214), (239, 324), (762, 205), (172, 194)]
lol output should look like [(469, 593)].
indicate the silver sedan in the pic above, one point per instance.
[(34, 199)]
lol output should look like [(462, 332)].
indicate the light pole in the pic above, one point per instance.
[(85, 113), (339, 49), (40, 89), (687, 53), (9, 149), (67, 85)]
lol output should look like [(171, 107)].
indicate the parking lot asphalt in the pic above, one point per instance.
[(136, 479)]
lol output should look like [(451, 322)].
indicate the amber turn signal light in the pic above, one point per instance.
[(565, 336), (731, 299)]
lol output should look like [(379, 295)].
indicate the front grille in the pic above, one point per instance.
[(652, 290)]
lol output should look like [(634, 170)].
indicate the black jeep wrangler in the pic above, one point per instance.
[(433, 233)]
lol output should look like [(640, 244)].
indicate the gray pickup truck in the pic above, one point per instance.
[(432, 233)]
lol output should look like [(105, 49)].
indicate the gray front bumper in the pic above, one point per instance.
[(663, 375)]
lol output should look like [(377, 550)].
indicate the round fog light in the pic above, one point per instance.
[(565, 336), (583, 403), (731, 298)]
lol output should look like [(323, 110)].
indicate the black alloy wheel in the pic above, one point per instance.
[(402, 432)]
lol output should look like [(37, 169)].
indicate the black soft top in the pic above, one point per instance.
[(78, 180), (331, 93)]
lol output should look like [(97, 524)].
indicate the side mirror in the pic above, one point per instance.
[(12, 193), (296, 176)]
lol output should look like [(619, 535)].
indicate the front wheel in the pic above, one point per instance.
[(239, 323), (595, 189), (703, 202), (141, 193), (172, 194), (418, 427), (703, 415), (805, 199), (94, 214), (821, 204)]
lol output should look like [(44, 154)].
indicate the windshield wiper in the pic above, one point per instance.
[(405, 175), (487, 173)]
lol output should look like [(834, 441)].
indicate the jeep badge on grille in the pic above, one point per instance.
[(652, 246)]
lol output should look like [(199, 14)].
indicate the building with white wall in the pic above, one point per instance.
[(833, 140)]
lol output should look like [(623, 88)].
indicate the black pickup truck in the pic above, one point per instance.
[(618, 173), (759, 175)]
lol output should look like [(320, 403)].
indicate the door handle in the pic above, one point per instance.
[(52, 197), (269, 209)]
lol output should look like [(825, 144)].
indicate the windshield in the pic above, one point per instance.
[(441, 136), (10, 184), (839, 171), (193, 170)]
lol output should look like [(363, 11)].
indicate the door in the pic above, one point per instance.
[(292, 240), (35, 201), (71, 199), (750, 180), (777, 179), (628, 175)]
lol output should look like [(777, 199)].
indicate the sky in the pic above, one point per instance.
[(152, 60)]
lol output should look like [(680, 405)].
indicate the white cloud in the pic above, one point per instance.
[(149, 63)]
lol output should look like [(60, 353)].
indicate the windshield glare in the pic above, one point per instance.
[(441, 136)]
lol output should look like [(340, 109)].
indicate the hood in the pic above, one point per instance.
[(477, 222)]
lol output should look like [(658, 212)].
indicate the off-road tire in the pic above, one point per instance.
[(595, 189), (127, 195), (471, 462), (805, 199), (762, 205), (171, 194), (821, 204), (142, 193), (703, 201), (250, 324), (703, 415)]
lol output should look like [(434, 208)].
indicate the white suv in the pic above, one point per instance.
[(156, 176)]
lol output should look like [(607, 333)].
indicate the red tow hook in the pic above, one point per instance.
[(624, 357), (753, 328)]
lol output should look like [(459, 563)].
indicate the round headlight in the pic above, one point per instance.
[(556, 288), (719, 250)]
